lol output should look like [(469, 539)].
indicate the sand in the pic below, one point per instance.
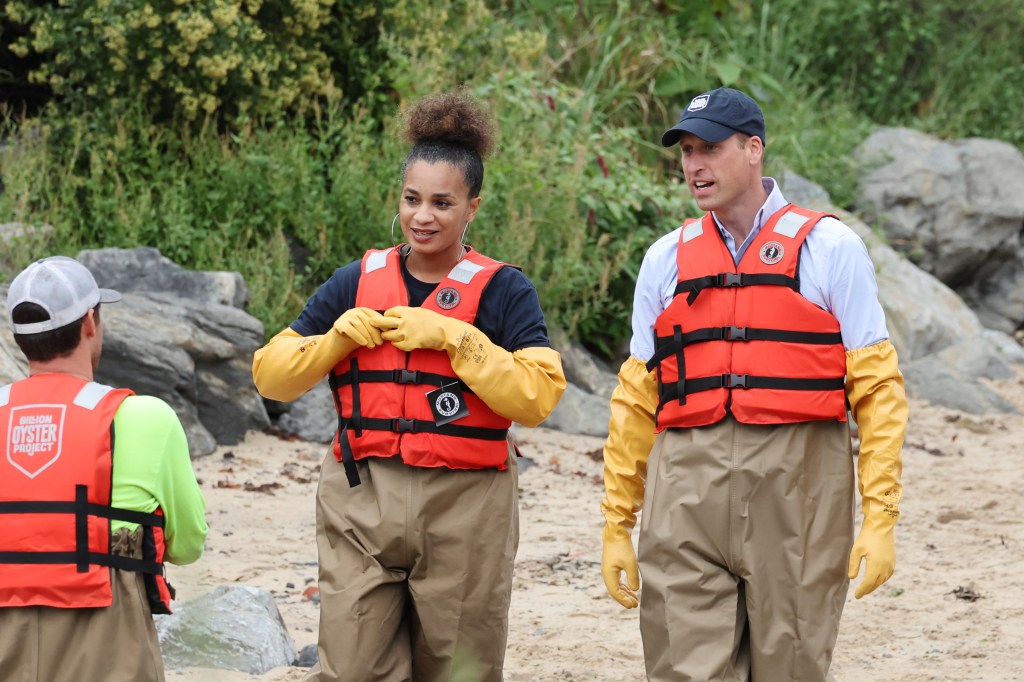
[(953, 611)]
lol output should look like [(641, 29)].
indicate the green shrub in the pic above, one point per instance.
[(939, 65), (190, 60)]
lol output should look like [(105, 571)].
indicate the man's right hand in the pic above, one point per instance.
[(617, 557)]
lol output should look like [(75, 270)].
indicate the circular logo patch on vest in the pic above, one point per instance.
[(447, 404), (448, 298), (771, 253)]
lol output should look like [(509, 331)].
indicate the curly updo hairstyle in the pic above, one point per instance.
[(452, 128)]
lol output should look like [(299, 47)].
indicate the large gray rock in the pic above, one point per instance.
[(235, 627), (953, 207), (581, 367), (580, 412), (183, 346), (951, 377), (144, 270), (956, 209), (312, 417)]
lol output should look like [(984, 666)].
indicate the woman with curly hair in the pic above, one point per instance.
[(432, 350)]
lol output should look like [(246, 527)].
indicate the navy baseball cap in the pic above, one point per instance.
[(717, 115)]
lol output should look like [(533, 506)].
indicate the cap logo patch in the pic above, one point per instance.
[(771, 253), (698, 103), (34, 437), (448, 298)]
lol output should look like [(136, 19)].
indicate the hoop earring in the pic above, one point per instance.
[(393, 221), (462, 242)]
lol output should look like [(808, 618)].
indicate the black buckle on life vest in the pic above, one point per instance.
[(403, 425), (734, 381), (735, 333), (729, 279), (405, 376)]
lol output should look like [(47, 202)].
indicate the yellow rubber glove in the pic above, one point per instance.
[(523, 386), (357, 324), (630, 438), (874, 388), (289, 365), (617, 557)]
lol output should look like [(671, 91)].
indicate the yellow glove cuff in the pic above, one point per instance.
[(289, 365), (523, 386), (875, 391), (630, 439)]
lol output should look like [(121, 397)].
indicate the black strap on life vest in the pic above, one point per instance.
[(427, 426), (732, 279), (348, 459), (670, 345), (82, 509), (401, 376), (153, 580), (669, 392)]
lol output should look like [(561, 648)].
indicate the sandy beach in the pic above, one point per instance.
[(954, 610)]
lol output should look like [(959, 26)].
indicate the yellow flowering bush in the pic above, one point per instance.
[(185, 59)]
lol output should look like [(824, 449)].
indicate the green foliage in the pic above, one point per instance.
[(260, 135), (947, 67), (232, 59), (567, 200)]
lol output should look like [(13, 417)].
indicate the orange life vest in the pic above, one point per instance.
[(55, 492), (741, 339), (381, 393)]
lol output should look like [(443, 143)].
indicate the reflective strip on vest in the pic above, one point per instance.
[(91, 395), (464, 271), (377, 260)]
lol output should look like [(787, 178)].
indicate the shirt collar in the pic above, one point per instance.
[(770, 207)]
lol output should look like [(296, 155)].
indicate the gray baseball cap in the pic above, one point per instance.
[(61, 286)]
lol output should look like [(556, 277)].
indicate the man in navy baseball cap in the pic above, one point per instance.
[(730, 426), (717, 115)]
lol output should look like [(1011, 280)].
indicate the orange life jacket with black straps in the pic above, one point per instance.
[(381, 393), (741, 339), (55, 494)]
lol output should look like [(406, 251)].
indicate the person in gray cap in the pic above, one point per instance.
[(87, 520), (754, 328)]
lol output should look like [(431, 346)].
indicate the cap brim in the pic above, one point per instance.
[(709, 131), (109, 296)]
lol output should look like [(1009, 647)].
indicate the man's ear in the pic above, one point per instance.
[(756, 147), (89, 324)]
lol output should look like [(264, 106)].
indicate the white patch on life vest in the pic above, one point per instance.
[(91, 395), (5, 395), (34, 437), (377, 260), (790, 224), (698, 103), (692, 231), (464, 271)]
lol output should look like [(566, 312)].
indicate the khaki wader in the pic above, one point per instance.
[(415, 572), (113, 644), (743, 550)]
